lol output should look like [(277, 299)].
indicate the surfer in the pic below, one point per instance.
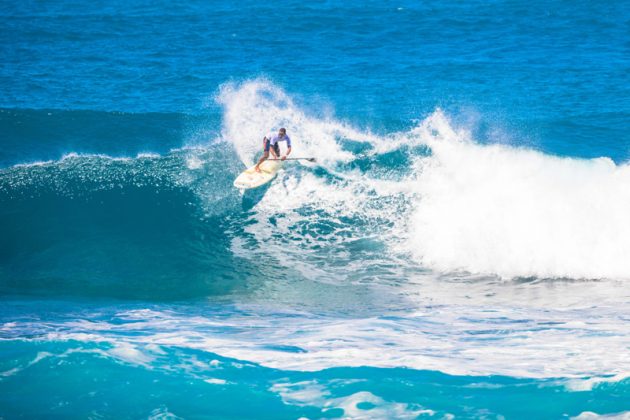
[(271, 144)]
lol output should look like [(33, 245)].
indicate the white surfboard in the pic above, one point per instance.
[(249, 178)]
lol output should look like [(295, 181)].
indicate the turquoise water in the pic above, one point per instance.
[(458, 250)]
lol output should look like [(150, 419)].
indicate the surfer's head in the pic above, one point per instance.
[(282, 132)]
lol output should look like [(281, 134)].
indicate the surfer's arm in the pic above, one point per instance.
[(288, 148), (272, 150), (288, 153)]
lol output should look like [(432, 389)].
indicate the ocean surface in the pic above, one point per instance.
[(460, 249)]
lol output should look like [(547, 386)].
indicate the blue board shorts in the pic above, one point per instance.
[(276, 147)]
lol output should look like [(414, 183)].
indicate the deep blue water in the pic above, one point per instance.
[(459, 248)]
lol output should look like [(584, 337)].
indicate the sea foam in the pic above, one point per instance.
[(464, 206)]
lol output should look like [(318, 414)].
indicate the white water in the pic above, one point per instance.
[(482, 209), (517, 212), (458, 340)]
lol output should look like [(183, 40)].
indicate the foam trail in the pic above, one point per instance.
[(517, 212)]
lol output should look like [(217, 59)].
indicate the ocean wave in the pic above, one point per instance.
[(376, 209)]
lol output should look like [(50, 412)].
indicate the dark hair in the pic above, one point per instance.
[(283, 130)]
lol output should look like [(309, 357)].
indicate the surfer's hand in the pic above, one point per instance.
[(283, 158)]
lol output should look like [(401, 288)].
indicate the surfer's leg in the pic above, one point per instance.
[(265, 155), (262, 159)]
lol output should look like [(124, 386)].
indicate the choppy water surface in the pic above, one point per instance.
[(460, 248)]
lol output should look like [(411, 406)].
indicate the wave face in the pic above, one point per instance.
[(117, 227)]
